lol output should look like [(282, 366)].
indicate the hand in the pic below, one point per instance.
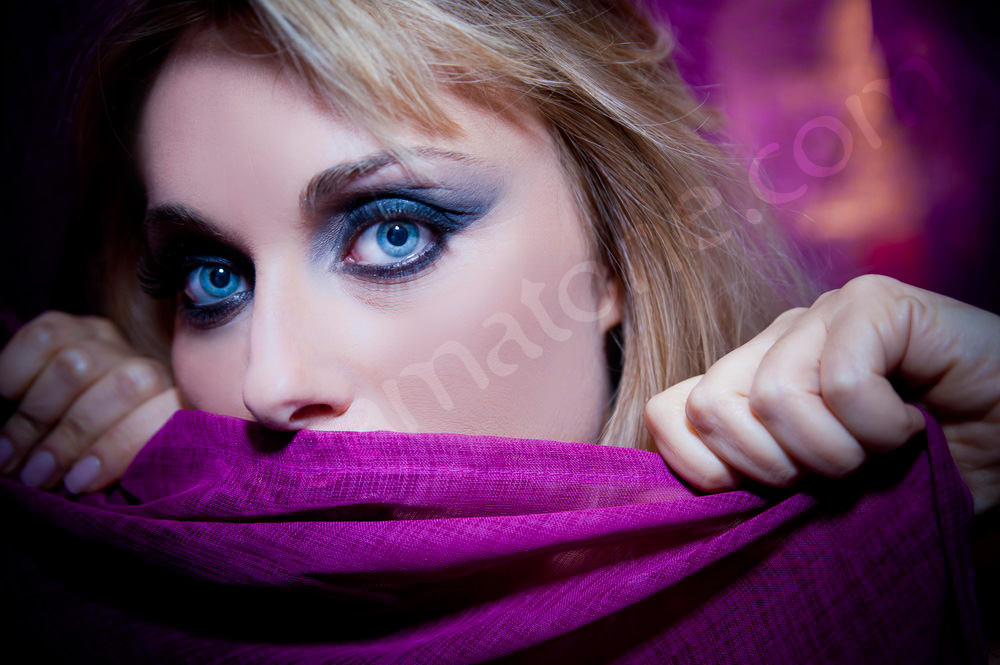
[(817, 391), (86, 402)]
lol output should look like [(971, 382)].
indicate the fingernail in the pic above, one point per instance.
[(38, 469), (82, 474), (6, 451)]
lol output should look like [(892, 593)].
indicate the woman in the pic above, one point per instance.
[(502, 220), (63, 371)]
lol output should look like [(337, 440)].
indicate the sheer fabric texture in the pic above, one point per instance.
[(226, 542)]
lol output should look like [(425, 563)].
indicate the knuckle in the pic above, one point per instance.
[(72, 431), (47, 330), (23, 429), (656, 406), (134, 378), (701, 409), (49, 324), (792, 314), (867, 285), (653, 414), (42, 335), (838, 386), (653, 403), (827, 295), (72, 363), (102, 326), (767, 399), (53, 317)]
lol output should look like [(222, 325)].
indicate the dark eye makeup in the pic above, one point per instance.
[(371, 211), (162, 274), (165, 268)]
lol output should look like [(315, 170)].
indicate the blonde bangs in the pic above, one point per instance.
[(387, 64)]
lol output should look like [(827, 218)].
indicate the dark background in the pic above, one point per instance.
[(44, 258)]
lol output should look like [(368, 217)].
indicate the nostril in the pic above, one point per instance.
[(311, 412)]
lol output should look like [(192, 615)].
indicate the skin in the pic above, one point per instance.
[(812, 392), (238, 142), (83, 396), (316, 346)]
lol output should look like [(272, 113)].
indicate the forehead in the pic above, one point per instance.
[(215, 116)]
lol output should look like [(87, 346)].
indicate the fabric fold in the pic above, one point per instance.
[(227, 542)]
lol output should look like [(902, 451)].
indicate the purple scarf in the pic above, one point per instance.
[(225, 542)]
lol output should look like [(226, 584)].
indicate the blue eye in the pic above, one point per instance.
[(392, 238), (397, 238), (212, 283), (390, 242)]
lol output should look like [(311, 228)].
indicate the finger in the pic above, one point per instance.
[(724, 422), (864, 346), (112, 397), (17, 434), (719, 411), (31, 347), (71, 370), (785, 397), (680, 445), (111, 454)]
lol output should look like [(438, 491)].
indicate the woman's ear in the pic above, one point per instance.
[(610, 299)]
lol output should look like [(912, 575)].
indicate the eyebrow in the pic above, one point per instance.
[(333, 180), (176, 218), (164, 222)]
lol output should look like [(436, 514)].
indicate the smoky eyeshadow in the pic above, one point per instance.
[(443, 208), (337, 207), (177, 240)]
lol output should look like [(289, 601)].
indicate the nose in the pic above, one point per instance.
[(294, 378)]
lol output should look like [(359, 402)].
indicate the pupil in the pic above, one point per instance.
[(397, 235), (219, 277)]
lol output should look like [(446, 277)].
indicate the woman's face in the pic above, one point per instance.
[(326, 285)]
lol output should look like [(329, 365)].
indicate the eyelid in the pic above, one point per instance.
[(195, 260), (335, 226), (162, 274), (369, 211), (165, 263)]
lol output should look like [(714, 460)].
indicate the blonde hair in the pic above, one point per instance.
[(661, 198)]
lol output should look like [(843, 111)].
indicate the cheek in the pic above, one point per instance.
[(209, 372), (498, 347)]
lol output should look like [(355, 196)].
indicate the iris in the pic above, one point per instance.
[(210, 284), (398, 239)]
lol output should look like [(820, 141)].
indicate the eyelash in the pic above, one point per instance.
[(163, 276), (164, 279), (372, 211)]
